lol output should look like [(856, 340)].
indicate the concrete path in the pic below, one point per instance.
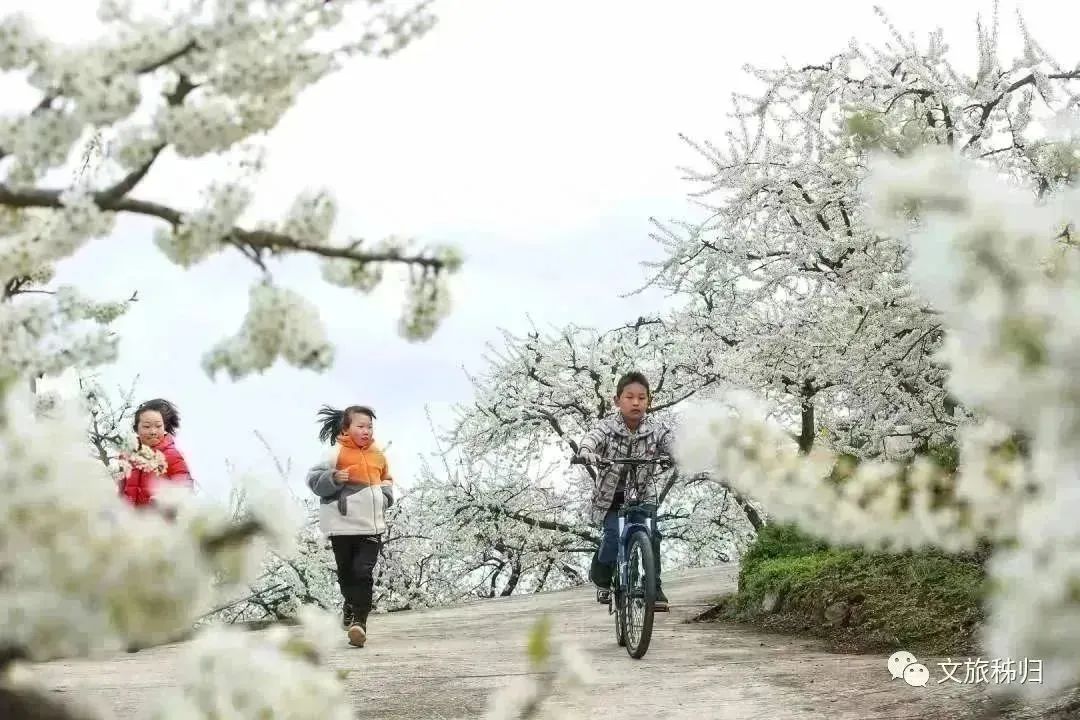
[(443, 664)]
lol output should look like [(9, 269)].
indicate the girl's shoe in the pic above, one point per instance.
[(357, 635)]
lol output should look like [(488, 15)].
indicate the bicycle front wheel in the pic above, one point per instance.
[(618, 605), (639, 595)]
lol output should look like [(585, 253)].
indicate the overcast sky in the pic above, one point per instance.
[(537, 135)]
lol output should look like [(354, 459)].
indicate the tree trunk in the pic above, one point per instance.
[(751, 512), (808, 431), (513, 580), (544, 578)]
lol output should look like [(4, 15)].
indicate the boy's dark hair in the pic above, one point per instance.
[(334, 422), (169, 414), (629, 379)]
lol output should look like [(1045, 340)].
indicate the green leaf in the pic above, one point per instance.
[(539, 647)]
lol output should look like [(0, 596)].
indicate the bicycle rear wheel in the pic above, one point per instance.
[(640, 595)]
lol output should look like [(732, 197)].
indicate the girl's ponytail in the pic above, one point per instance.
[(331, 422)]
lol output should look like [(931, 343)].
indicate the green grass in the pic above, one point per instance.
[(924, 601)]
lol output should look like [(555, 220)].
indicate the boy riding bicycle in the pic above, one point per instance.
[(630, 432)]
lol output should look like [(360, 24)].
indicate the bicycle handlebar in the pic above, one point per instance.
[(602, 462)]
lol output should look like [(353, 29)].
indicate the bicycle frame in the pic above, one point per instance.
[(633, 515), (626, 529)]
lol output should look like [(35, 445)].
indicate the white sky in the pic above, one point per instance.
[(537, 135)]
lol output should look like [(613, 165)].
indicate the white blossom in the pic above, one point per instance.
[(427, 304), (267, 676), (311, 217), (1012, 344), (279, 323), (190, 80), (52, 334), (202, 233), (19, 43), (75, 549), (30, 241)]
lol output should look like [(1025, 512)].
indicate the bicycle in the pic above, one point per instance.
[(633, 584)]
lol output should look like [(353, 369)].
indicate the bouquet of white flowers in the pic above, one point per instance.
[(143, 457)]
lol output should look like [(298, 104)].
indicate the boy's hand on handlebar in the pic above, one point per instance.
[(342, 476), (587, 457)]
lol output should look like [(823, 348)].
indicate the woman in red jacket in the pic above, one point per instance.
[(157, 458)]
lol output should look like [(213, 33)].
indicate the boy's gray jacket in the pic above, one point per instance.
[(610, 438), (346, 509)]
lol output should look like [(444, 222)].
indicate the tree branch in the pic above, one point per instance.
[(543, 524), (266, 240)]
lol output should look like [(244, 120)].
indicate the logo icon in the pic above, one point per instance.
[(916, 675), (903, 664)]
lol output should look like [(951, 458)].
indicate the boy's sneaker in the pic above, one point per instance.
[(348, 616), (357, 635), (603, 596), (661, 604)]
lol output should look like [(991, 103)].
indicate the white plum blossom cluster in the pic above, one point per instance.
[(196, 78), (230, 673), (889, 506), (341, 272), (145, 458), (73, 549), (49, 334), (1004, 273), (204, 232), (245, 83), (119, 450), (428, 294), (427, 304), (311, 218), (279, 323), (46, 403), (73, 306), (30, 241)]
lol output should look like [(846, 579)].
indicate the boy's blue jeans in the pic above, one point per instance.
[(603, 563)]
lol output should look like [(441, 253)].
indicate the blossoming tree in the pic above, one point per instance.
[(809, 302), (538, 396), (959, 181)]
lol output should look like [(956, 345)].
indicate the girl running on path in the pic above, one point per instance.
[(354, 488)]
